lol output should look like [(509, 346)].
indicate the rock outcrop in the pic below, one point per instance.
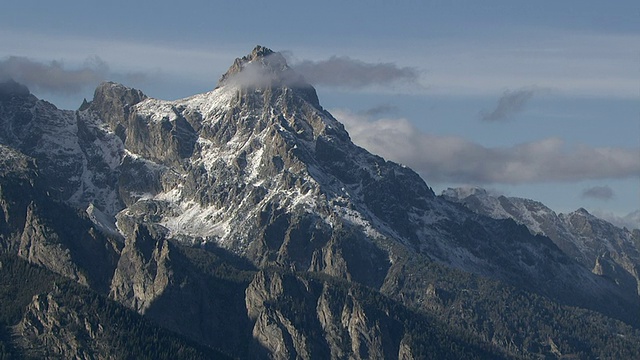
[(50, 329), (143, 271), (306, 318)]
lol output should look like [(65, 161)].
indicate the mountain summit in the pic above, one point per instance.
[(252, 198), (262, 69), (262, 58)]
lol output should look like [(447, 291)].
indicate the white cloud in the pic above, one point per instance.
[(457, 160), (269, 70)]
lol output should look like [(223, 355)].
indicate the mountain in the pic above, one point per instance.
[(56, 318), (246, 220), (608, 250)]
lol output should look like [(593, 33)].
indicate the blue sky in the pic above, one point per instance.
[(530, 99)]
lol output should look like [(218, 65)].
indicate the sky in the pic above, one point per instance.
[(529, 99)]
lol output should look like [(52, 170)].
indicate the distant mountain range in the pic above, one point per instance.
[(630, 221), (244, 221), (609, 250)]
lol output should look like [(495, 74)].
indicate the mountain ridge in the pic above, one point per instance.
[(608, 250)]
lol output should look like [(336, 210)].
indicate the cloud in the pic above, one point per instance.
[(454, 159), (268, 70), (252, 75), (342, 71), (54, 77), (598, 193), (345, 72), (272, 69), (511, 103), (600, 63)]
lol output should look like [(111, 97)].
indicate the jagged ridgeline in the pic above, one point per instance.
[(610, 251), (246, 221)]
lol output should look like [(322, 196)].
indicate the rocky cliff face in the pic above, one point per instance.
[(72, 322), (18, 175), (50, 329), (332, 326), (49, 233), (297, 317), (143, 271)]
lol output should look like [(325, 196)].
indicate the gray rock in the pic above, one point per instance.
[(50, 329), (335, 324), (63, 241), (143, 271)]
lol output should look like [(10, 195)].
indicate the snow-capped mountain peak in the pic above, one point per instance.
[(264, 69), (258, 167)]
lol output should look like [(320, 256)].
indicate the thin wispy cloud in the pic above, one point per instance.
[(598, 193), (55, 77), (510, 104), (457, 160), (343, 71)]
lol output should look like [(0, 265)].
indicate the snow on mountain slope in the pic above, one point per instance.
[(530, 213), (260, 168), (76, 151)]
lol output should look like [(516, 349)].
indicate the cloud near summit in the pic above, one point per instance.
[(343, 71), (454, 159), (336, 71)]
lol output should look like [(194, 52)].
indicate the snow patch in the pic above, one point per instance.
[(102, 221), (197, 221)]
